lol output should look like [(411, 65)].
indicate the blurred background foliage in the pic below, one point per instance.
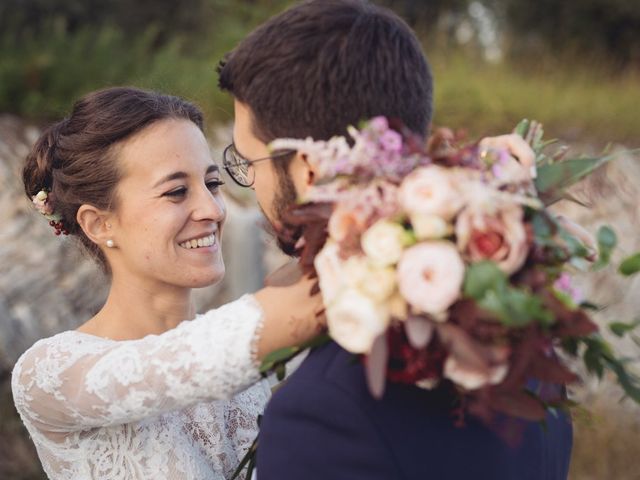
[(575, 65)]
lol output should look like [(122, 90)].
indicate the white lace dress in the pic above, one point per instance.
[(163, 407)]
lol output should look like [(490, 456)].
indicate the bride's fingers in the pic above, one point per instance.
[(515, 145), (581, 234)]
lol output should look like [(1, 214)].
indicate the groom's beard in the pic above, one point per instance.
[(283, 200)]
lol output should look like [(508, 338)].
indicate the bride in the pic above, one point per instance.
[(137, 392)]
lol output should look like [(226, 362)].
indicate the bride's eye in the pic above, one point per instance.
[(214, 185), (177, 192)]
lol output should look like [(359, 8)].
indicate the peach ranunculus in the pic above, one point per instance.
[(355, 321), (430, 276), (345, 222), (383, 242), (497, 235), (431, 190)]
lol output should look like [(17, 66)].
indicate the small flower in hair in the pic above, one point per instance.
[(44, 203)]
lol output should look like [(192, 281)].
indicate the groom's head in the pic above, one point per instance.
[(313, 70)]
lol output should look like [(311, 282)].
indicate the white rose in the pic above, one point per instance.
[(428, 226), (330, 269), (355, 321), (383, 242), (380, 283), (398, 307), (355, 271)]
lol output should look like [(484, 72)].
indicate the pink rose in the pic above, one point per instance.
[(431, 190), (499, 236), (430, 276)]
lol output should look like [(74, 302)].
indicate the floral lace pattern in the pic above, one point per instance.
[(167, 406)]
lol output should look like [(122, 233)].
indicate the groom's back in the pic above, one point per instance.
[(324, 424)]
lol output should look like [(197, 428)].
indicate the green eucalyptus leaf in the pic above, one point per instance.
[(629, 382), (271, 360), (522, 128), (542, 227), (607, 240), (590, 306), (554, 178), (593, 360), (621, 329), (630, 265), (515, 308), (481, 277), (570, 345)]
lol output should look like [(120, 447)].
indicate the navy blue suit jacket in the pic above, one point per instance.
[(324, 424)]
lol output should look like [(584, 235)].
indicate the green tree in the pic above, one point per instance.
[(605, 28)]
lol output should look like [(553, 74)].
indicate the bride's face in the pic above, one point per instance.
[(168, 220)]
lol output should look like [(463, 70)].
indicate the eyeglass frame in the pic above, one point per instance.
[(231, 150)]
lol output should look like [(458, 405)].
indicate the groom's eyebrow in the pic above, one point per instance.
[(180, 175)]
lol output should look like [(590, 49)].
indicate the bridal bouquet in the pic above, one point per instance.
[(440, 264)]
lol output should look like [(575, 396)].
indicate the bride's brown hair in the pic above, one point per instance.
[(75, 158)]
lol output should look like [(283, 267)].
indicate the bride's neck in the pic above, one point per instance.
[(135, 309)]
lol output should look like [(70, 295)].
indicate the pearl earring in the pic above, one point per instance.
[(110, 243)]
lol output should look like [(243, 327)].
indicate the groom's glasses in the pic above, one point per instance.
[(240, 169)]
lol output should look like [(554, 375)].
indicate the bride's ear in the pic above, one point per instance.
[(95, 224)]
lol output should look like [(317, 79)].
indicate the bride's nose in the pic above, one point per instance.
[(209, 206)]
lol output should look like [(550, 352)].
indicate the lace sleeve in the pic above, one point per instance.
[(67, 383)]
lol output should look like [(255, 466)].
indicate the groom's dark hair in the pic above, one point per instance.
[(323, 65)]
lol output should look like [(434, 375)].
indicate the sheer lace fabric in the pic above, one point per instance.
[(167, 406)]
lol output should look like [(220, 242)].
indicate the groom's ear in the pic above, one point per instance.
[(302, 172)]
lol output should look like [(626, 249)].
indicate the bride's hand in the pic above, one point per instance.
[(292, 314)]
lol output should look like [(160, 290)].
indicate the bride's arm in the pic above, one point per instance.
[(70, 382)]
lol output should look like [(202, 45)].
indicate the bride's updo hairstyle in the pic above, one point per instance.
[(76, 158)]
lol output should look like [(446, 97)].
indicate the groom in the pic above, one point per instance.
[(312, 71)]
